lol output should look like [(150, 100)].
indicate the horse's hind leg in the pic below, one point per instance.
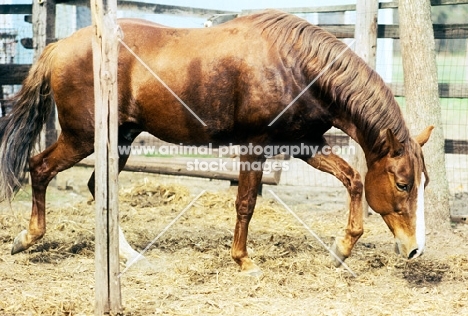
[(351, 179), (126, 252), (249, 182), (62, 155), (127, 134)]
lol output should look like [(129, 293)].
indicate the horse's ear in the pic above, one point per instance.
[(422, 138), (396, 148)]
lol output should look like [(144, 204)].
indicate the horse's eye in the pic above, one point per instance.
[(402, 187)]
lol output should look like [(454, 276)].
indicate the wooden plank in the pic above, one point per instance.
[(3, 110), (398, 88), (450, 31), (334, 139), (15, 9), (339, 30), (11, 74), (366, 48), (456, 146), (447, 2), (394, 4), (145, 7), (178, 167), (441, 31), (219, 19), (459, 218), (446, 90), (43, 18), (366, 31), (352, 7), (138, 6), (453, 90), (318, 9), (348, 30), (50, 126), (388, 5), (105, 55)]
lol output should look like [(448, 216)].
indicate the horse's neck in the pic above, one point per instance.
[(356, 134), (363, 105), (369, 130)]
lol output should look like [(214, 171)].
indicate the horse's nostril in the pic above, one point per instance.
[(413, 254)]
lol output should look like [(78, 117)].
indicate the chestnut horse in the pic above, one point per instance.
[(236, 78)]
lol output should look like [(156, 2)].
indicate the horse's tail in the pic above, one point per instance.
[(20, 128)]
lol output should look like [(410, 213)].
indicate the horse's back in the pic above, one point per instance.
[(231, 76)]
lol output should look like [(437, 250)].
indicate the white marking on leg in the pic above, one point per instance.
[(140, 255), (420, 223), (125, 250)]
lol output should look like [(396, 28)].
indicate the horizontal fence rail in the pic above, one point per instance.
[(441, 31)]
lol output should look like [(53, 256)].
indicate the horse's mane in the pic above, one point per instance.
[(350, 84)]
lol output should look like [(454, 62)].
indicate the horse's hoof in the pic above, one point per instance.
[(18, 244), (139, 262), (253, 271), (338, 257)]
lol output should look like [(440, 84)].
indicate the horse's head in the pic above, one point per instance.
[(395, 189)]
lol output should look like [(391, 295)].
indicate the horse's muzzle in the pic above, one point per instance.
[(413, 254)]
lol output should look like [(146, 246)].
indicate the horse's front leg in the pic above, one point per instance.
[(351, 179), (249, 182)]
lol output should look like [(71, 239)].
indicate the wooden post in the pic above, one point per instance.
[(365, 47), (105, 55), (43, 13), (2, 103), (366, 30), (423, 104)]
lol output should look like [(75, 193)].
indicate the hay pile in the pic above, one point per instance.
[(191, 270), (150, 194)]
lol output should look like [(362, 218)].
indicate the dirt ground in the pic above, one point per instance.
[(189, 270)]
